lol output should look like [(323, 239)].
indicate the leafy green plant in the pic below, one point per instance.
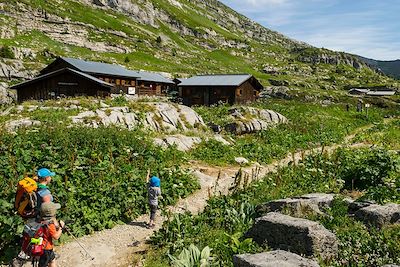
[(192, 257)]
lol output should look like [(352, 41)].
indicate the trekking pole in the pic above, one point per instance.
[(76, 240)]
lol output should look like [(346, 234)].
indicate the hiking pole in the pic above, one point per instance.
[(76, 240)]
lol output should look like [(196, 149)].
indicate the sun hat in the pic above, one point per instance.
[(155, 181), (43, 172), (49, 209)]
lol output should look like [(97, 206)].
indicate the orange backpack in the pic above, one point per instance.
[(25, 198)]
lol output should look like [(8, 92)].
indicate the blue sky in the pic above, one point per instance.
[(368, 28)]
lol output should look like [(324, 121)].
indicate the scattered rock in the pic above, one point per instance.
[(379, 215), (272, 259), (21, 123), (297, 235), (299, 206), (221, 140), (276, 92), (241, 160)]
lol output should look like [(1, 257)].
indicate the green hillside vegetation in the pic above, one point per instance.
[(225, 220), (89, 162), (163, 48)]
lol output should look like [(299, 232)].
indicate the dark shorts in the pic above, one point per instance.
[(153, 210), (46, 258)]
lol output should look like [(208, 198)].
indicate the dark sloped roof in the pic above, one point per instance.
[(42, 77), (152, 77), (216, 80), (100, 68)]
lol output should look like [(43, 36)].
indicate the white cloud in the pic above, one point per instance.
[(367, 28)]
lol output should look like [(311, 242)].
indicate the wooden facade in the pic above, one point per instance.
[(72, 77), (208, 95), (61, 84)]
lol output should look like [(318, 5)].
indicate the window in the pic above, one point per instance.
[(123, 82), (107, 80), (117, 81), (239, 92), (133, 83)]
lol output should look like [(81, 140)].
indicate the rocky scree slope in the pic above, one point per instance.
[(176, 37)]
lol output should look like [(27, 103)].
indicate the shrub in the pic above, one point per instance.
[(6, 52)]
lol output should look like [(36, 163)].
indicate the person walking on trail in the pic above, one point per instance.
[(44, 178), (154, 192), (53, 231)]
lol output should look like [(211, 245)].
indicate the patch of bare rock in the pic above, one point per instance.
[(274, 258)]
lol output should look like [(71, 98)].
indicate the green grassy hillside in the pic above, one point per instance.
[(179, 37)]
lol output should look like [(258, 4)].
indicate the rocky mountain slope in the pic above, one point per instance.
[(390, 68), (176, 37)]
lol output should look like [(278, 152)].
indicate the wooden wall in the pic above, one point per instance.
[(63, 84), (200, 95), (245, 93)]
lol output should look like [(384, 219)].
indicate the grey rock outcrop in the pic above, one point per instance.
[(379, 215), (182, 142), (6, 96), (274, 258), (260, 119), (12, 68), (298, 206), (276, 92), (162, 117), (297, 235)]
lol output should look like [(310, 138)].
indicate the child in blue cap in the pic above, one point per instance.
[(154, 191)]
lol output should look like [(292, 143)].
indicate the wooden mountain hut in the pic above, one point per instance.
[(226, 88)]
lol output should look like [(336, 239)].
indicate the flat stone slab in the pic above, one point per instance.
[(378, 215), (297, 206), (276, 258), (297, 235)]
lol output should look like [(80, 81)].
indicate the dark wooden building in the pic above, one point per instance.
[(63, 82), (75, 77), (212, 89)]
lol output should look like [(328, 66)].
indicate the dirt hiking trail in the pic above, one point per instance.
[(118, 246)]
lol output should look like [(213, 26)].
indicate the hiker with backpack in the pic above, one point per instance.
[(154, 193), (31, 193), (50, 230)]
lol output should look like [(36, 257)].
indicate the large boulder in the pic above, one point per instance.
[(249, 120), (274, 258), (297, 235), (6, 96), (379, 215), (299, 206)]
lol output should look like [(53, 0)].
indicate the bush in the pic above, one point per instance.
[(6, 52), (100, 177)]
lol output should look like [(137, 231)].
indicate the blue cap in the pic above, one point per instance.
[(155, 181), (43, 172)]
